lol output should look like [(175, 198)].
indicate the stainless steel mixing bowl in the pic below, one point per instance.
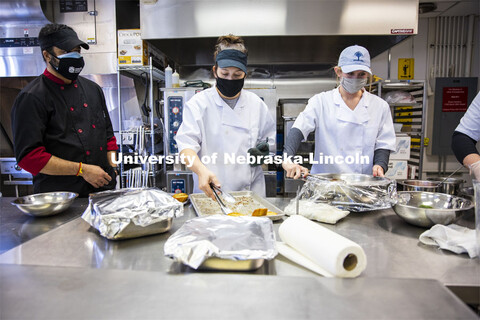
[(449, 185), (425, 209), (419, 185), (45, 204)]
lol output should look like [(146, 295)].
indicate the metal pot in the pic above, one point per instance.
[(419, 185), (450, 185), (467, 193)]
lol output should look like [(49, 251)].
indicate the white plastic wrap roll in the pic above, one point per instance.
[(337, 255)]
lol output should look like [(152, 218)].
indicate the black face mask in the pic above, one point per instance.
[(229, 88), (69, 65)]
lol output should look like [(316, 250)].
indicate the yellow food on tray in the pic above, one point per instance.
[(182, 197), (271, 213), (236, 214), (259, 212)]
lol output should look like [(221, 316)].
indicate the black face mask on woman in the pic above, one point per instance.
[(229, 88), (69, 65)]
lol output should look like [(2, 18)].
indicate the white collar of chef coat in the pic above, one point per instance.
[(229, 116), (359, 115)]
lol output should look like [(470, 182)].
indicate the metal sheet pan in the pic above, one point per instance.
[(134, 231), (217, 264), (194, 198)]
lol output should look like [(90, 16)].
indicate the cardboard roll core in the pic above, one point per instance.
[(350, 262)]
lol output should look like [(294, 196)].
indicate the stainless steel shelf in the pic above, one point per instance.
[(416, 118), (138, 70), (155, 74)]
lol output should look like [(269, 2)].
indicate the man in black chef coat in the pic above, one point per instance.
[(61, 128)]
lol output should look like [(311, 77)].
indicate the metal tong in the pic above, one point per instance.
[(226, 210), (226, 196)]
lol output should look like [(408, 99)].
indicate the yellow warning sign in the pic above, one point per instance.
[(406, 68)]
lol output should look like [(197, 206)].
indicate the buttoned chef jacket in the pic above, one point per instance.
[(346, 134), (69, 121), (211, 128)]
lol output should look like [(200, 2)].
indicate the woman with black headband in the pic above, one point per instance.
[(223, 124)]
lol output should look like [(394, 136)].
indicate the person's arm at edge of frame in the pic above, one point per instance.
[(463, 146)]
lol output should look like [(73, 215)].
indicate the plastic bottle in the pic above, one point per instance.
[(168, 77), (176, 80)]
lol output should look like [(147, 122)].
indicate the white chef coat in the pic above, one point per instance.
[(470, 122), (210, 126), (344, 133)]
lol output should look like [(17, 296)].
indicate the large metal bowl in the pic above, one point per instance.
[(45, 204), (419, 185), (425, 209), (449, 185)]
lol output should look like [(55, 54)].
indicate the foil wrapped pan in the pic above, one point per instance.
[(350, 191), (205, 240), (131, 213)]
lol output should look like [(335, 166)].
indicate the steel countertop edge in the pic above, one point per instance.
[(386, 239)]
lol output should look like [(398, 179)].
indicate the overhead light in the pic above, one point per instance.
[(426, 7)]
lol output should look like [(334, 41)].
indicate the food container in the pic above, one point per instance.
[(353, 179), (349, 191), (449, 185), (213, 264), (419, 185), (220, 242), (425, 209), (134, 231), (247, 202), (132, 213), (45, 204)]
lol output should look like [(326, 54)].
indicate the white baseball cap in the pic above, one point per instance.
[(354, 58)]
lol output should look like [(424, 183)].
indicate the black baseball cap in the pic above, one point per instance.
[(65, 39)]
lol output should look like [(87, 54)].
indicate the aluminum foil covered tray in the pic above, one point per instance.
[(350, 191), (131, 213), (223, 243)]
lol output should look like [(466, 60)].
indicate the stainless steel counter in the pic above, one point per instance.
[(391, 246), (17, 228), (33, 292), (395, 258)]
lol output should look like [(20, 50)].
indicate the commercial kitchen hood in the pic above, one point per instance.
[(277, 32), (21, 21), (20, 54)]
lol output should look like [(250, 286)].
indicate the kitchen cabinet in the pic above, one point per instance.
[(412, 115)]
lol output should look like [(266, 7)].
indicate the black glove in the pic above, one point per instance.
[(259, 152)]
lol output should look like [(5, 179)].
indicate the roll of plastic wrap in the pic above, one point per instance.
[(337, 255)]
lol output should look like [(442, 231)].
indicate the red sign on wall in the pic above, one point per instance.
[(455, 99)]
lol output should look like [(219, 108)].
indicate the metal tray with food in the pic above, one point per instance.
[(218, 264), (246, 203), (134, 231)]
